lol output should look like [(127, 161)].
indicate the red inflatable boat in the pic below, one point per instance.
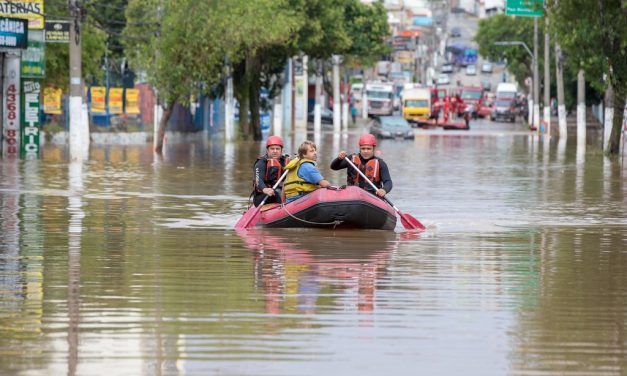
[(349, 207)]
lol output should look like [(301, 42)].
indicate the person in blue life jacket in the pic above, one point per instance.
[(303, 177), (375, 169), (267, 171)]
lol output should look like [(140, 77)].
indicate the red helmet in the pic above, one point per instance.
[(274, 140), (367, 139)]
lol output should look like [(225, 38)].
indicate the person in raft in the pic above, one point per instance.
[(373, 167), (303, 177), (267, 171)]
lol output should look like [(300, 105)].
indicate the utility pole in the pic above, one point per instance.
[(581, 108), (79, 127), (536, 78), (561, 108), (318, 93), (547, 78), (293, 95), (336, 94)]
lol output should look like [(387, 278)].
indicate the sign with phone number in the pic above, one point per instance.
[(11, 131)]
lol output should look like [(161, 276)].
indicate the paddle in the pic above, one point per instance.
[(250, 218), (409, 222)]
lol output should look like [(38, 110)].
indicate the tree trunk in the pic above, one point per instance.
[(254, 91), (243, 115), (163, 124), (617, 124), (241, 82)]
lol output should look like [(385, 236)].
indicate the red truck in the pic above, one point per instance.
[(472, 96)]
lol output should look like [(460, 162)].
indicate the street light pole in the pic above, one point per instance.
[(536, 78)]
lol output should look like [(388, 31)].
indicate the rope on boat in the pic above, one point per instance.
[(334, 223)]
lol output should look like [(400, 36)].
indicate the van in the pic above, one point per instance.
[(416, 104)]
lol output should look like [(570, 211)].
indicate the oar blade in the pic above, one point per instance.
[(410, 223), (249, 219)]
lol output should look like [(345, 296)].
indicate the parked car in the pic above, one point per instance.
[(326, 116), (443, 79), (486, 68), (471, 70), (392, 127), (504, 108), (447, 68), (456, 32)]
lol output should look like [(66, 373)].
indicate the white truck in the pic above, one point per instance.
[(506, 90), (380, 97)]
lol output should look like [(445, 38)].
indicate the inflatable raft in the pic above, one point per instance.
[(349, 207)]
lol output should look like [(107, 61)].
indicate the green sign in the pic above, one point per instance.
[(526, 8), (33, 59), (13, 32), (30, 119)]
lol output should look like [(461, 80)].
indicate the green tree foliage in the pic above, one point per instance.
[(183, 45), (368, 28), (506, 28), (594, 37)]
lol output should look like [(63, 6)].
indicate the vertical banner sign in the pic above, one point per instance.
[(33, 59), (98, 94), (11, 107), (115, 100), (52, 101), (132, 101), (30, 119)]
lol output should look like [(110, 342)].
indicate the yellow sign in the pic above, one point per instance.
[(132, 102), (98, 94), (31, 10), (52, 101), (115, 100)]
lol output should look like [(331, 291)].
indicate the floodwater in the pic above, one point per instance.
[(127, 264)]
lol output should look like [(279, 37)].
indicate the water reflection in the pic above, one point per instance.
[(311, 271), (75, 209)]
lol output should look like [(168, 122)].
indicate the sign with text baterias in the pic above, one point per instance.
[(31, 10), (11, 107), (30, 119)]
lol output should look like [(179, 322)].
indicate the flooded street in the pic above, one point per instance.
[(127, 264)]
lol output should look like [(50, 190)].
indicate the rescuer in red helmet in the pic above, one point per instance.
[(373, 167), (268, 169)]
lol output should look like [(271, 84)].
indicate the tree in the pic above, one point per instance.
[(506, 28), (178, 50), (368, 29), (264, 32), (594, 36)]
